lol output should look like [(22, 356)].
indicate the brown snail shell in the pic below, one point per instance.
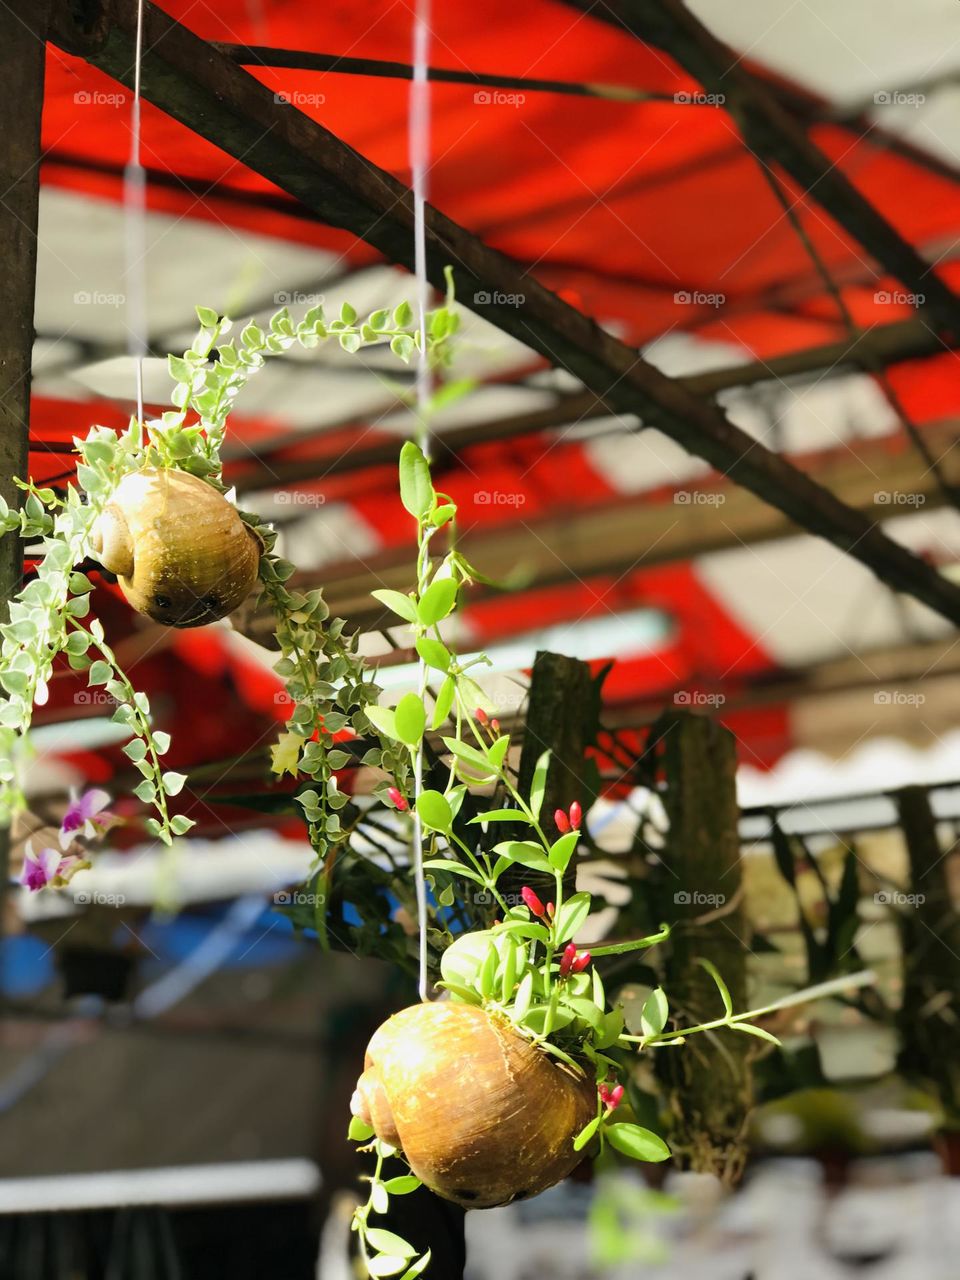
[(180, 551), (481, 1114)]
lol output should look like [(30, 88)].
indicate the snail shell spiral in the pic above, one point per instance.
[(481, 1114), (180, 551)]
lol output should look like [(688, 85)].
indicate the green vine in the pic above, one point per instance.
[(327, 680)]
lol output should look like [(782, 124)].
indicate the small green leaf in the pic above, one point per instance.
[(403, 1185), (760, 1032), (173, 783), (487, 977), (469, 755), (416, 487), (586, 1133), (444, 702), (410, 719), (611, 1028), (585, 1009), (538, 786), (135, 750), (711, 968), (524, 995), (522, 851), (437, 601), (435, 811), (499, 815), (443, 515), (207, 317), (653, 1017), (433, 652), (146, 792), (446, 864), (639, 1143), (180, 824), (403, 315), (418, 1268), (561, 851), (403, 606), (99, 673), (466, 995), (385, 1264), (571, 916), (383, 720), (359, 1130)]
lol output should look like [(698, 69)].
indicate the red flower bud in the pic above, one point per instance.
[(398, 798), (615, 1097), (532, 901), (495, 725), (481, 715), (562, 821), (581, 962), (576, 815), (568, 959), (604, 1092)]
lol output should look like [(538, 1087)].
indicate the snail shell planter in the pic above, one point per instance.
[(180, 551), (482, 1115)]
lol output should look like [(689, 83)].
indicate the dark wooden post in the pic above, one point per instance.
[(929, 1018), (708, 1080), (562, 715), (22, 53)]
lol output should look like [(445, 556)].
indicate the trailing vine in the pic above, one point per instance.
[(327, 681)]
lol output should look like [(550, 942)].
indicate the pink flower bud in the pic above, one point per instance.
[(398, 799), (562, 821), (550, 910), (482, 715), (580, 962), (614, 1097), (576, 815), (495, 725), (568, 959), (532, 901)]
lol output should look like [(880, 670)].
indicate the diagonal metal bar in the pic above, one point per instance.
[(185, 77), (772, 132)]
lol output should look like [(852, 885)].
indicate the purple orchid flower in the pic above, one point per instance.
[(88, 815), (39, 868)]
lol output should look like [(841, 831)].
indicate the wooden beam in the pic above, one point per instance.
[(622, 534), (774, 135), (265, 57), (903, 340), (184, 76)]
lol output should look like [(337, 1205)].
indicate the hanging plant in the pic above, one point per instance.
[(150, 505), (497, 1091)]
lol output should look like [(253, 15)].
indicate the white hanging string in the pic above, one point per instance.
[(418, 145), (135, 230)]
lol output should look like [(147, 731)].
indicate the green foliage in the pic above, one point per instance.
[(327, 681)]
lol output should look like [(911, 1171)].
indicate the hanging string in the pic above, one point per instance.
[(135, 230), (418, 145)]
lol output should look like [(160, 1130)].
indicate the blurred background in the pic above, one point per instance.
[(174, 1084)]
